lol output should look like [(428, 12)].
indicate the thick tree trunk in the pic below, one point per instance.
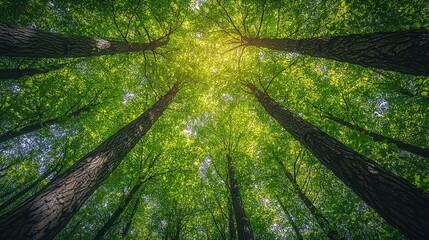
[(380, 138), (45, 214), (291, 221), (27, 42), (405, 51), (37, 126), (398, 201), (6, 74), (244, 229), (127, 227), (315, 212)]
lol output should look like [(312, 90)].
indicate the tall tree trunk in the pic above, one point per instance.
[(37, 126), (404, 51), (291, 221), (231, 225), (18, 41), (127, 227), (398, 201), (244, 228), (25, 190), (315, 212), (48, 211), (17, 73), (380, 138)]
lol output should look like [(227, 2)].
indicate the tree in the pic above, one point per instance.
[(380, 138), (403, 51), (18, 41), (315, 212), (244, 229), (399, 202), (48, 211), (17, 73), (288, 216)]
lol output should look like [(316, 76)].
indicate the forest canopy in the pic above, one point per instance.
[(214, 119)]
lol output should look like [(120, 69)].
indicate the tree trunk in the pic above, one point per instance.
[(118, 211), (18, 41), (291, 221), (320, 219), (244, 228), (45, 214), (398, 201), (127, 227), (6, 74), (380, 138), (37, 126), (405, 51), (231, 225)]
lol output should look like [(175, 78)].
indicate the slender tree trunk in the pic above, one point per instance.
[(244, 228), (48, 211), (37, 126), (118, 211), (405, 51), (398, 201), (6, 74), (18, 41), (127, 227), (291, 221), (380, 138), (231, 225), (25, 190), (315, 212)]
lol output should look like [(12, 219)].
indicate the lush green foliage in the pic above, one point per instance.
[(213, 113)]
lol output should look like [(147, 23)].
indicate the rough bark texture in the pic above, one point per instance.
[(398, 201), (244, 228), (6, 74), (49, 210), (380, 138), (231, 225), (291, 221), (405, 51), (315, 212), (36, 126), (27, 42)]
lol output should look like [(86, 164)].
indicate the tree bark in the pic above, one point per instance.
[(315, 212), (380, 138), (244, 229), (127, 227), (291, 221), (49, 210), (6, 74), (231, 225), (404, 51), (398, 201), (37, 126), (18, 41)]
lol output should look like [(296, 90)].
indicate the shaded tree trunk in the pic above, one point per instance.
[(291, 221), (398, 201), (19, 73), (231, 225), (405, 51), (244, 229), (18, 41), (48, 211), (380, 138), (315, 212), (127, 227), (37, 126)]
